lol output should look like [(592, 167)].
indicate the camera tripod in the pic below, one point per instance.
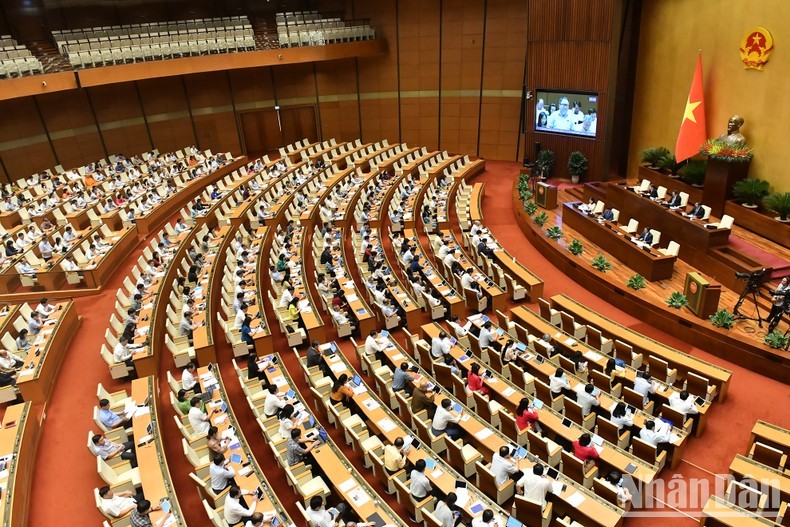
[(752, 286)]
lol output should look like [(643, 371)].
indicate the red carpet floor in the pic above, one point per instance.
[(65, 472)]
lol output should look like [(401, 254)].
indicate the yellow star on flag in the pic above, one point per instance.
[(688, 113)]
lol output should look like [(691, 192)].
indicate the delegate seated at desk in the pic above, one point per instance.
[(608, 215), (646, 237), (696, 211)]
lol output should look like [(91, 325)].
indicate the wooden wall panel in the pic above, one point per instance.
[(378, 76), (28, 159), (211, 105), (72, 127), (338, 105), (461, 63), (503, 77), (547, 19), (589, 20), (584, 65), (120, 117), (167, 111), (127, 139)]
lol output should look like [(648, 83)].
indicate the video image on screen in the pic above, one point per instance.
[(571, 113)]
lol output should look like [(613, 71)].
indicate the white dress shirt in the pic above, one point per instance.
[(442, 418), (556, 384), (220, 475), (502, 468), (187, 380), (234, 511), (419, 485), (117, 504), (272, 403), (440, 347), (372, 345), (199, 421), (535, 487), (684, 407)]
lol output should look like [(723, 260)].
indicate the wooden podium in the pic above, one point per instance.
[(703, 296), (546, 195)]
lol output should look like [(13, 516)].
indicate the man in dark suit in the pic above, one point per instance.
[(652, 192), (608, 215), (646, 236), (674, 200), (697, 210), (484, 249)]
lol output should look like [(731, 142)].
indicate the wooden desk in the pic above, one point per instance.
[(345, 479), (720, 513), (773, 436), (149, 222), (387, 426), (7, 315), (37, 375), (767, 478), (261, 336), (649, 263), (310, 215), (691, 233), (18, 438), (249, 475), (497, 298), (209, 281), (509, 395), (310, 315), (454, 302), (567, 345), (155, 477), (610, 329)]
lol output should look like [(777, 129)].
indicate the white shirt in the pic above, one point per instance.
[(272, 403), (240, 316), (285, 299), (653, 437), (372, 345), (187, 380), (585, 400), (466, 280), (502, 468), (443, 250), (478, 522), (419, 485), (45, 309), (440, 347), (626, 420), (117, 504), (122, 353), (460, 331), (198, 420), (684, 407), (234, 512), (442, 418), (535, 487), (556, 384), (321, 518), (644, 387), (449, 259), (220, 475)]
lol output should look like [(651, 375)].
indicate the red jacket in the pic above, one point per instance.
[(476, 383), (527, 419), (584, 452)]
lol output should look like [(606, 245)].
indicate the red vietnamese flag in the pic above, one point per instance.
[(692, 129)]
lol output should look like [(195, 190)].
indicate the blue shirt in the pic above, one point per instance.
[(109, 418), (245, 334)]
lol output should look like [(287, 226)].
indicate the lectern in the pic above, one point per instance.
[(703, 296), (546, 195)]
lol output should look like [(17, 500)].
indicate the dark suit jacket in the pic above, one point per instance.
[(675, 202), (608, 215), (654, 193), (698, 212), (647, 238)]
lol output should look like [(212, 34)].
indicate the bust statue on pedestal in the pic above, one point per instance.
[(733, 135)]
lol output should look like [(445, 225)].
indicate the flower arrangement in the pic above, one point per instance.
[(723, 151)]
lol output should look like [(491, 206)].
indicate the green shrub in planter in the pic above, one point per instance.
[(636, 282), (722, 319), (576, 247), (779, 202), (653, 156), (530, 207), (776, 340), (601, 263), (693, 172), (677, 300), (555, 233), (750, 191), (541, 219)]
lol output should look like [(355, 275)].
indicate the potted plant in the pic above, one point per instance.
[(722, 319), (541, 219), (523, 187), (555, 233), (601, 263), (653, 156), (779, 202), (669, 164), (636, 282), (693, 173), (576, 247), (776, 340), (545, 162), (750, 191), (577, 166), (677, 300), (530, 207)]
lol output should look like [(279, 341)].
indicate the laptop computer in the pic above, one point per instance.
[(512, 522), (356, 381), (521, 346)]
